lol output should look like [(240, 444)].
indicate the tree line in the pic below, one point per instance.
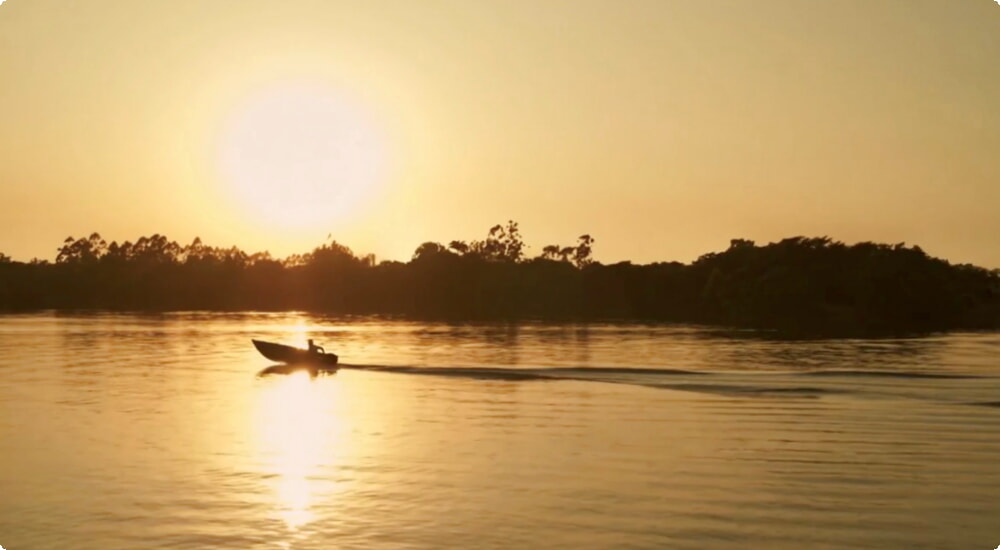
[(809, 285)]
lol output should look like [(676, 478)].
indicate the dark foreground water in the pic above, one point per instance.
[(127, 432)]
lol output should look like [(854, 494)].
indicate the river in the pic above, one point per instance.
[(157, 431)]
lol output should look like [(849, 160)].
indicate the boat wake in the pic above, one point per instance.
[(811, 384), (498, 373), (891, 374)]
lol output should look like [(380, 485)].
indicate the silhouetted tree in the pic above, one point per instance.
[(805, 284), (581, 254), (503, 244), (428, 250)]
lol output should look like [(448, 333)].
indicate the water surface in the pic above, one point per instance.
[(125, 431)]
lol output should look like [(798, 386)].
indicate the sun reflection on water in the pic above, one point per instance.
[(298, 432)]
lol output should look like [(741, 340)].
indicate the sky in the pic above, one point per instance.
[(662, 128)]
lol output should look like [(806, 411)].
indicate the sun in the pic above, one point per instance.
[(301, 157)]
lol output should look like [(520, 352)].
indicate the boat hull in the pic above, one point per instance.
[(293, 356)]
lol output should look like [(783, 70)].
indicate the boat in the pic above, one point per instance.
[(294, 356)]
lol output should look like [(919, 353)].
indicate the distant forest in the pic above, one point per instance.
[(799, 284)]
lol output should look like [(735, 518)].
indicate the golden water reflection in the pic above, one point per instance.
[(299, 434)]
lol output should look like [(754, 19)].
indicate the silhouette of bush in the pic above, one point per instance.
[(799, 284)]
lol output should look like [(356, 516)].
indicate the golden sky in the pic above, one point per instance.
[(663, 128)]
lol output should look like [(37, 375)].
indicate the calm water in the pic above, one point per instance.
[(125, 432)]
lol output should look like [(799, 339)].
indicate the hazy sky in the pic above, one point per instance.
[(663, 128)]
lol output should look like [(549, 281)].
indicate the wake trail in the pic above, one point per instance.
[(770, 384)]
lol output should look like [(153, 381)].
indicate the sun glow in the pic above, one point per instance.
[(298, 435), (302, 158)]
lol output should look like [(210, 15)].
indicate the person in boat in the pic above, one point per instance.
[(314, 349)]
